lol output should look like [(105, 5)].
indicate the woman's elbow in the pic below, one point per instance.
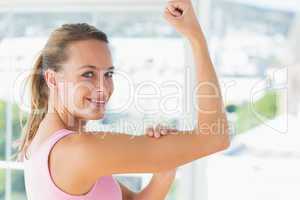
[(225, 144), (224, 141)]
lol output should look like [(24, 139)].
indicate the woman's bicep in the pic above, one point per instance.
[(106, 154), (120, 153)]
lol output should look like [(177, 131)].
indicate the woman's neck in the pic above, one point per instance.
[(63, 117), (66, 119)]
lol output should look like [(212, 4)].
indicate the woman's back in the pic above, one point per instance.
[(40, 185)]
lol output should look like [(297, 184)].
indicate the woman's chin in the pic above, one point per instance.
[(96, 116), (93, 113)]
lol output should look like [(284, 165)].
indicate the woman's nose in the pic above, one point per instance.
[(101, 90), (100, 93)]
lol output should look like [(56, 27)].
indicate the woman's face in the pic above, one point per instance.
[(86, 83)]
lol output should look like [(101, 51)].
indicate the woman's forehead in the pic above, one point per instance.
[(89, 53)]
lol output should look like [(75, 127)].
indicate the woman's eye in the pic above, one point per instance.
[(88, 74), (109, 74)]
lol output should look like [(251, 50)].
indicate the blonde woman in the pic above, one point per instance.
[(72, 84)]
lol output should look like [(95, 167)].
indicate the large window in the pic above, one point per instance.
[(251, 46)]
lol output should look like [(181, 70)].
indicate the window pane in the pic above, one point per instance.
[(16, 127), (250, 38), (18, 185), (135, 24), (2, 128), (252, 47), (2, 184)]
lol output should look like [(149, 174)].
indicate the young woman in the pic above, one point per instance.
[(72, 83)]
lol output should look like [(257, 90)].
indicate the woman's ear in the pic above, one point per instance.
[(50, 78)]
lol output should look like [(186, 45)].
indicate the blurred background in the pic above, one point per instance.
[(254, 45)]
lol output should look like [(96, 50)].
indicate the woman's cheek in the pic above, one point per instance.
[(78, 101), (111, 89)]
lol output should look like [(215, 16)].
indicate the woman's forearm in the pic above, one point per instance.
[(157, 189), (210, 109)]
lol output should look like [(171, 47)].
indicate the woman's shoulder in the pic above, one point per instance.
[(44, 136)]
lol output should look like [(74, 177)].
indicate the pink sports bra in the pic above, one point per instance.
[(39, 183)]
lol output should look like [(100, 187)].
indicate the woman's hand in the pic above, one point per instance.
[(159, 130), (181, 15)]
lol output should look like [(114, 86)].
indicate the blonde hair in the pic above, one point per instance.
[(51, 57)]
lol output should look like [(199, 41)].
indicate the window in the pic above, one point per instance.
[(250, 43)]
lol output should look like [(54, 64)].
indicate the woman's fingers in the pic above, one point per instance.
[(185, 23), (172, 130), (149, 131), (164, 131), (159, 130), (176, 12), (177, 7)]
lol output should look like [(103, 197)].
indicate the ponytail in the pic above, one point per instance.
[(39, 106)]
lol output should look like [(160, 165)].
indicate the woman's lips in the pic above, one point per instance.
[(96, 102)]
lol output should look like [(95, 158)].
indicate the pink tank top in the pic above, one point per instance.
[(39, 183)]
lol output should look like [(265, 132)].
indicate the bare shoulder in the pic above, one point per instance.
[(63, 163)]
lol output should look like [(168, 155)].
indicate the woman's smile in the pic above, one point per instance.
[(97, 103)]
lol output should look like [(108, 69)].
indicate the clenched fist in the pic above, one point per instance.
[(181, 15)]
